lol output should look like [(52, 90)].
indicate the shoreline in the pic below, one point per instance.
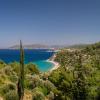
[(56, 65)]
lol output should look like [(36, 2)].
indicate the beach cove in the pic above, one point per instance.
[(40, 57)]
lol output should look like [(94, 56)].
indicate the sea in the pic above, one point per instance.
[(35, 56)]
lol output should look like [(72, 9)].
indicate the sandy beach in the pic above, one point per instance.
[(56, 65)]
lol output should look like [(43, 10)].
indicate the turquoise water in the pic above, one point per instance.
[(38, 56), (44, 66)]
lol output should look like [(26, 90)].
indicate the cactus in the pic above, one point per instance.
[(20, 85)]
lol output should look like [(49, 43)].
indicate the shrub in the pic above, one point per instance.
[(51, 96), (38, 96), (49, 85), (2, 64), (7, 70), (15, 66), (6, 88), (32, 69), (11, 95), (13, 78)]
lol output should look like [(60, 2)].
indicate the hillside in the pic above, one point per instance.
[(77, 78), (78, 46)]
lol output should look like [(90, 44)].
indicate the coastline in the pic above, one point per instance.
[(56, 65)]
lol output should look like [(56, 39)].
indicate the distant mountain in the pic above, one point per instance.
[(33, 46), (41, 46), (38, 46)]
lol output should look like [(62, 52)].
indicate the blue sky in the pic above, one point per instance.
[(49, 22)]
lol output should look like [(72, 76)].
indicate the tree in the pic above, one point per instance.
[(31, 69), (81, 86), (21, 74)]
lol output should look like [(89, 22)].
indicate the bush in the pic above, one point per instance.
[(6, 88), (8, 70), (51, 96), (13, 78), (11, 95), (49, 86), (38, 96), (28, 84), (32, 69), (2, 64), (15, 66)]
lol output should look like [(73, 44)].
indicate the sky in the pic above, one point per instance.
[(50, 22)]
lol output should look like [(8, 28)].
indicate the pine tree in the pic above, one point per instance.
[(21, 74)]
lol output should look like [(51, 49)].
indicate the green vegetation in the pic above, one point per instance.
[(77, 78), (20, 85)]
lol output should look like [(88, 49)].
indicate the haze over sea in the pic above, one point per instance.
[(36, 56)]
